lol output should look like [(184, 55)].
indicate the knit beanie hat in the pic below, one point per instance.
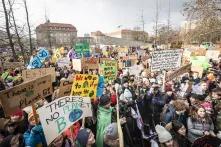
[(111, 131), (104, 100), (163, 134), (83, 136)]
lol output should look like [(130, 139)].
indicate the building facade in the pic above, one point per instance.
[(133, 35), (56, 35)]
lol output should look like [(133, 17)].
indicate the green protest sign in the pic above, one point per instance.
[(82, 49), (108, 68)]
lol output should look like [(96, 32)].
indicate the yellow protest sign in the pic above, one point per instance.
[(85, 85)]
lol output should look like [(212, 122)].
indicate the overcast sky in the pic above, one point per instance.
[(103, 15)]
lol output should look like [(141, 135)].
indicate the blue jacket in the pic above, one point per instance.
[(35, 137)]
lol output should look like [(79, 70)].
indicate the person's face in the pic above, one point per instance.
[(91, 139), (107, 106), (58, 141), (126, 84), (169, 143), (11, 128), (215, 95), (192, 100), (182, 131), (201, 112), (204, 86)]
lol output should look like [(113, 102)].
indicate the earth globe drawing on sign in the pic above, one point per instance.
[(75, 115)]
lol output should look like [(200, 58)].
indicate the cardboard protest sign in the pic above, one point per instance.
[(213, 54), (85, 85), (108, 68), (198, 70), (90, 63), (62, 62), (25, 94), (31, 74), (178, 72), (166, 60), (65, 88), (59, 115)]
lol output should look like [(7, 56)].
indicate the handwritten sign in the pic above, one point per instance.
[(28, 75), (60, 114), (65, 88), (85, 85), (90, 63), (108, 68), (178, 72), (25, 94), (166, 59)]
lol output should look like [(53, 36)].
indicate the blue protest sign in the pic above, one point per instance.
[(100, 87), (43, 54), (35, 63)]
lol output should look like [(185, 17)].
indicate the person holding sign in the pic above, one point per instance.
[(104, 118)]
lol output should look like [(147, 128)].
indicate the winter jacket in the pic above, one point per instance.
[(182, 140), (196, 129), (218, 121), (35, 137), (170, 114)]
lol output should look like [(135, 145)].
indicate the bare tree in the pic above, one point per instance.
[(8, 30), (16, 30), (29, 28)]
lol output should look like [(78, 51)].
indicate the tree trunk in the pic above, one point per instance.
[(29, 29), (8, 31), (16, 31)]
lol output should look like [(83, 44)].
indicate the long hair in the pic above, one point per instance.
[(195, 117)]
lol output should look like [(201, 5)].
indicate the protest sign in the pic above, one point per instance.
[(59, 115), (100, 87), (35, 62), (178, 72), (43, 54), (56, 55), (76, 64), (198, 70), (166, 60), (31, 74), (62, 62), (25, 94), (136, 69), (213, 54), (85, 85), (200, 61), (108, 68), (82, 49), (199, 52), (65, 88), (90, 63)]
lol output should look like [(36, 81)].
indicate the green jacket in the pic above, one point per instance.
[(104, 117)]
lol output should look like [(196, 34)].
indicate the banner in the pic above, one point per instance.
[(166, 60), (178, 72), (65, 88), (108, 68), (31, 74), (25, 94), (59, 115), (85, 85), (62, 62)]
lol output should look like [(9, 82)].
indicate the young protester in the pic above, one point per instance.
[(85, 138), (199, 124)]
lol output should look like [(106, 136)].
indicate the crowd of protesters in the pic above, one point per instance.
[(176, 115)]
